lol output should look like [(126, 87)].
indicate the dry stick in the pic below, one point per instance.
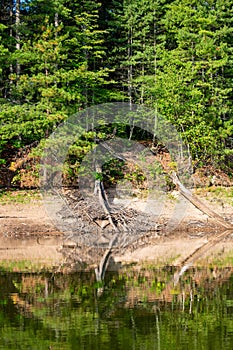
[(105, 205), (199, 204), (99, 188)]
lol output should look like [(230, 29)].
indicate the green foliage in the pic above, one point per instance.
[(192, 88), (59, 57), (22, 196)]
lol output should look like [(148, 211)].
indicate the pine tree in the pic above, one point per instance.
[(58, 69), (191, 89)]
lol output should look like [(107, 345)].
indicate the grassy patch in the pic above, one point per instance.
[(216, 193), (19, 196)]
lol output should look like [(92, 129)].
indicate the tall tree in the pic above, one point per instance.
[(175, 56), (17, 32), (191, 88), (59, 69)]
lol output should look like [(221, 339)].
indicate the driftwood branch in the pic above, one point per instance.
[(104, 204), (199, 204)]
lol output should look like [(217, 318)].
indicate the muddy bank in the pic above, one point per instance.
[(56, 253), (29, 239)]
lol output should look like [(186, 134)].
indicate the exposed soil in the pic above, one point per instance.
[(27, 234), (21, 228)]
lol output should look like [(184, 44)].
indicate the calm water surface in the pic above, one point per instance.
[(134, 310)]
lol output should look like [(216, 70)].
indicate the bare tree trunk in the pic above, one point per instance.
[(199, 204), (155, 78), (17, 35), (11, 35), (99, 188), (130, 77), (143, 73), (130, 67), (103, 265)]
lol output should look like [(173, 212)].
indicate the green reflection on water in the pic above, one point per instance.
[(136, 310)]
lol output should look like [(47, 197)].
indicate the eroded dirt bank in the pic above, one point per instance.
[(28, 237)]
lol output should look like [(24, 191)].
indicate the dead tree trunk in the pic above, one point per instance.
[(99, 189), (199, 204), (17, 34)]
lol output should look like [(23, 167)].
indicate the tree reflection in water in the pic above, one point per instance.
[(136, 310)]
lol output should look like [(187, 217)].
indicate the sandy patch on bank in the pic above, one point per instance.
[(21, 227), (27, 234)]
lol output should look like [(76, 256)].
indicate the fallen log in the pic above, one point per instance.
[(104, 204), (199, 204)]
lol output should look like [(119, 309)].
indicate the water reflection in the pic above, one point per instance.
[(137, 310)]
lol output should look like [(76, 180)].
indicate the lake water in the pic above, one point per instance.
[(134, 310)]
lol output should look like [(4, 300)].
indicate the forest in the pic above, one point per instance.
[(59, 57)]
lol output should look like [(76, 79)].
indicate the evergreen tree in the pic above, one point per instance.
[(58, 57), (191, 88), (58, 70)]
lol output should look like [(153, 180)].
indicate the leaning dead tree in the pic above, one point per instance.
[(100, 191), (199, 204)]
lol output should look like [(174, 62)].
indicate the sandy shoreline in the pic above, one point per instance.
[(28, 235)]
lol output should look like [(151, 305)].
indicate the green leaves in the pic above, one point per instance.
[(174, 56), (192, 88)]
